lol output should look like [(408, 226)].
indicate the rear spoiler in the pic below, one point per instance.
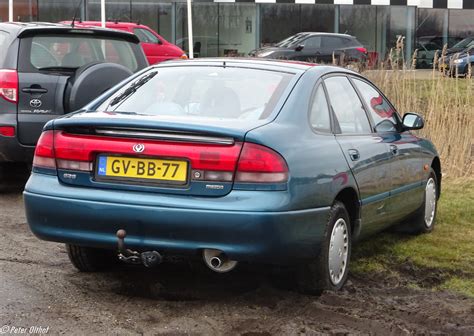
[(90, 31)]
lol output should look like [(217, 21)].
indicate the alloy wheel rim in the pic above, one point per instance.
[(338, 251), (430, 202)]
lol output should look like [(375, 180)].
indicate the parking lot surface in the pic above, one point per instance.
[(39, 287)]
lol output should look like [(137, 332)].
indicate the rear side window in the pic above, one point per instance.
[(197, 93), (347, 107), (382, 113), (331, 42), (4, 40), (319, 115), (145, 36), (76, 51)]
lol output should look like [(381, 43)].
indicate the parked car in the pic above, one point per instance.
[(453, 52), (458, 64), (275, 162), (427, 47), (156, 48), (316, 47), (47, 70)]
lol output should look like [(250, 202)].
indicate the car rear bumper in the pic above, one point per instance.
[(244, 235)]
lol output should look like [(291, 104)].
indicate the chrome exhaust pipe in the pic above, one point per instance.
[(218, 261)]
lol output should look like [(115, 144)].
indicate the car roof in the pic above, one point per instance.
[(116, 24), (327, 34), (24, 29), (282, 65)]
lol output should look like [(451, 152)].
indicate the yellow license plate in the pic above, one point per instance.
[(142, 168)]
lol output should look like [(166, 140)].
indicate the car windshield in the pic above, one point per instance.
[(201, 93), (292, 41), (467, 42), (66, 51)]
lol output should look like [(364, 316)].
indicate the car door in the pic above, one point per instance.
[(311, 50), (367, 154), (330, 45), (406, 194)]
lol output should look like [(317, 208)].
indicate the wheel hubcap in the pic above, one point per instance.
[(338, 251), (430, 202)]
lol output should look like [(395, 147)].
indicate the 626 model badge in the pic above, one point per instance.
[(36, 103)]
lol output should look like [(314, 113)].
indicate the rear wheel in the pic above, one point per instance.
[(88, 259), (423, 221), (330, 269)]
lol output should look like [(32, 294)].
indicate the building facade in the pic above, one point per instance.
[(234, 27)]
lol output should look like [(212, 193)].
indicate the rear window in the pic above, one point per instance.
[(4, 40), (75, 51), (202, 93)]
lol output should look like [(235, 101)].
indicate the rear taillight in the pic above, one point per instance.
[(362, 50), (259, 164), (247, 162), (9, 85), (44, 152), (7, 131)]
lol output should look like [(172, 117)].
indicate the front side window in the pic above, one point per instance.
[(198, 93), (145, 36), (347, 107), (319, 114), (76, 51), (382, 112)]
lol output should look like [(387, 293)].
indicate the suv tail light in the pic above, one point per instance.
[(9, 85), (259, 164), (362, 50)]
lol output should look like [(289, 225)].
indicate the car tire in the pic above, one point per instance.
[(329, 270), (88, 259), (424, 219)]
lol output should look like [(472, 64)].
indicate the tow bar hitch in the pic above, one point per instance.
[(148, 258)]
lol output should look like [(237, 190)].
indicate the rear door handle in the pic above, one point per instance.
[(394, 149), (34, 90), (354, 154)]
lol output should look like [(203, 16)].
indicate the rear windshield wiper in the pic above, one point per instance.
[(132, 89)]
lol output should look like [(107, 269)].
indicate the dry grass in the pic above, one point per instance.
[(447, 104)]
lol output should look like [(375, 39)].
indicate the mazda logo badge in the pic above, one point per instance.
[(138, 148), (36, 103)]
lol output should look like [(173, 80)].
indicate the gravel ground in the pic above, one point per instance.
[(38, 287)]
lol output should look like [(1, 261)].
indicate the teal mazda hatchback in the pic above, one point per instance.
[(232, 160)]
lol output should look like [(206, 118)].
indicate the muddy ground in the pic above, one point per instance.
[(38, 287)]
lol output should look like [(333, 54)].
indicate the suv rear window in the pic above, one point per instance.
[(76, 51), (4, 38), (202, 93)]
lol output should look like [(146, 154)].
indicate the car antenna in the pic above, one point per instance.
[(75, 13)]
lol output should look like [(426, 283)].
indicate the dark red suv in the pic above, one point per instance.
[(156, 48)]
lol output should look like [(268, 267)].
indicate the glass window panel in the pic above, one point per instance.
[(114, 10), (3, 10), (359, 21), (205, 23), (317, 18), (347, 106), (24, 10), (237, 32), (59, 10), (279, 21), (461, 23), (155, 15), (312, 42)]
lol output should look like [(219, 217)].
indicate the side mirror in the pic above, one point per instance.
[(413, 121), (159, 42), (299, 47)]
